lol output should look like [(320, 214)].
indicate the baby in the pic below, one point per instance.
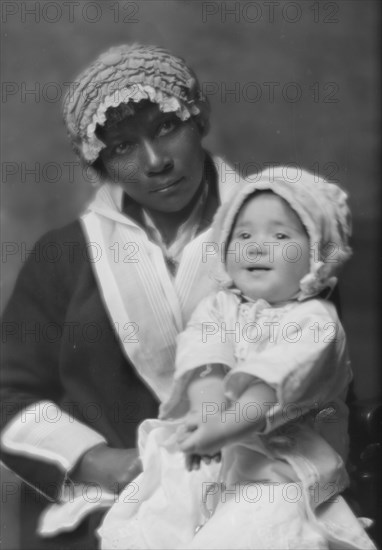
[(261, 380)]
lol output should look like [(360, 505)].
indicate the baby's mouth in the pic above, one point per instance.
[(258, 268)]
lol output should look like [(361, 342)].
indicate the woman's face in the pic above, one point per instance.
[(156, 158), (268, 253)]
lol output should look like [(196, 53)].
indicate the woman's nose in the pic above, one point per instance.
[(155, 159)]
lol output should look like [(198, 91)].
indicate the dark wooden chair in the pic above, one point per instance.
[(364, 494)]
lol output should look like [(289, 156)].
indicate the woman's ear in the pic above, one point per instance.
[(95, 173), (203, 126), (203, 118)]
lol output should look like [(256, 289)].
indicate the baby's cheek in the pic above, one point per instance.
[(303, 267), (231, 267)]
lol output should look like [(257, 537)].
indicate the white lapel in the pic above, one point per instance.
[(148, 309)]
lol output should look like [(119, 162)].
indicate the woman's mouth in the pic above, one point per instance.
[(163, 188)]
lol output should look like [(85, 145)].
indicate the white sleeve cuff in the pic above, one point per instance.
[(44, 431)]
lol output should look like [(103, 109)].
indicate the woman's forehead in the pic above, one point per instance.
[(134, 122)]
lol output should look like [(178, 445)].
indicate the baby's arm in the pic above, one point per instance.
[(206, 389), (224, 425)]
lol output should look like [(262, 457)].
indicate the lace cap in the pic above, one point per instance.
[(125, 74)]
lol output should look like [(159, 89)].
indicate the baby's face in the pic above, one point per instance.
[(269, 250)]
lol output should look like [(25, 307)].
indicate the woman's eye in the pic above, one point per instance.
[(122, 148), (167, 127)]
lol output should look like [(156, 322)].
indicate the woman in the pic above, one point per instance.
[(89, 339)]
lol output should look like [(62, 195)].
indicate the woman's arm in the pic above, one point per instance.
[(111, 469), (41, 442)]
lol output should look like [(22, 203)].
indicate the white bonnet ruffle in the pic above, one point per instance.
[(323, 210), (127, 74)]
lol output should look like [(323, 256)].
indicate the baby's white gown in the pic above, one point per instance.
[(168, 507), (281, 488)]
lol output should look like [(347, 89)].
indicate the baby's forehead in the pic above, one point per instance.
[(266, 205)]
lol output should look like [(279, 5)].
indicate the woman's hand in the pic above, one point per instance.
[(111, 469)]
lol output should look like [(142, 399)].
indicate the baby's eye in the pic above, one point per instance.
[(166, 127), (244, 235), (122, 148), (281, 235)]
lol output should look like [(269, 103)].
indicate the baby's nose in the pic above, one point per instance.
[(257, 248)]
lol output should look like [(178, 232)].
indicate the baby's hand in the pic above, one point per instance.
[(203, 438), (193, 460), (190, 424)]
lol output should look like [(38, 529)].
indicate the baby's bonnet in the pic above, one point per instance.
[(323, 210)]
